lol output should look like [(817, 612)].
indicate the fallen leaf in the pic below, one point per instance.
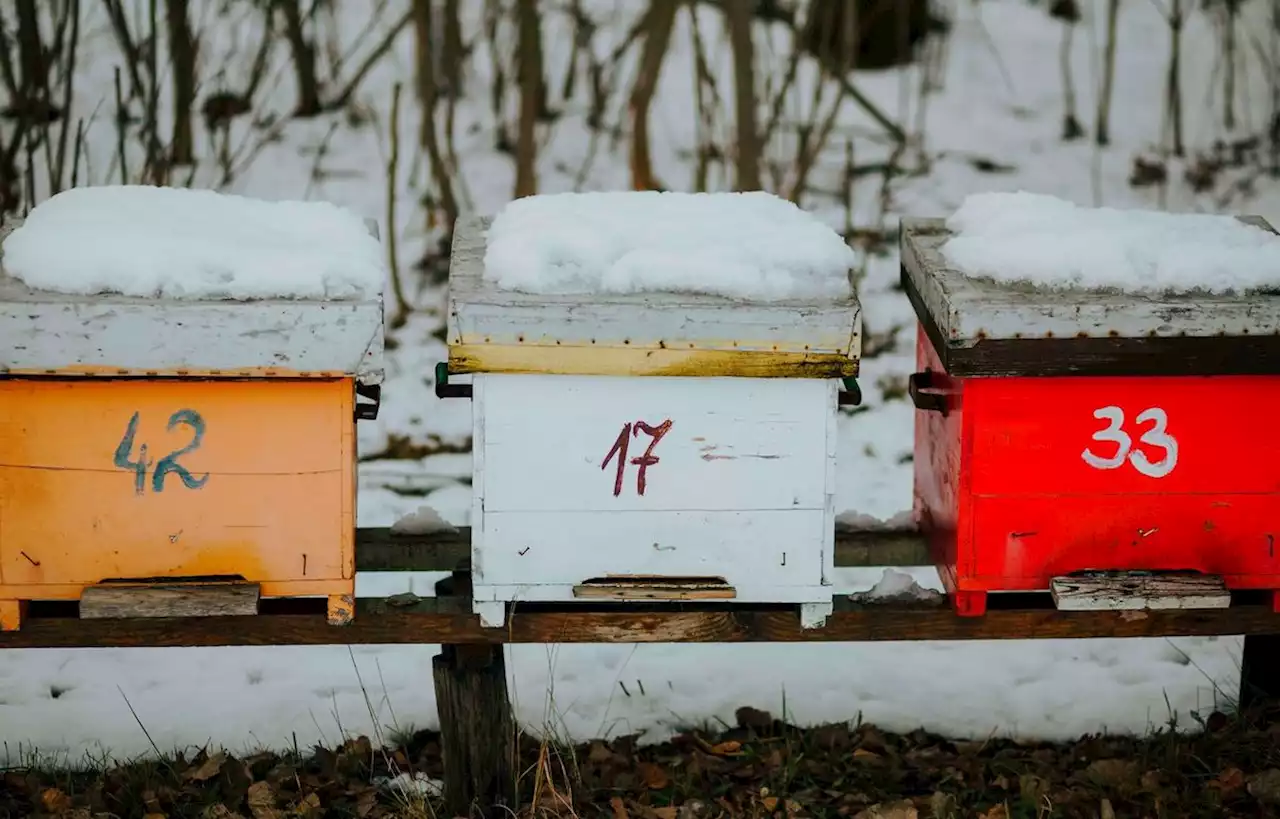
[(863, 753), (207, 769), (1105, 811), (220, 811), (599, 752), (1112, 772), (770, 803), (366, 802), (262, 801), (1231, 779), (667, 812), (654, 778), (902, 809), (155, 816), (619, 809), (997, 812), (55, 801), (727, 748)]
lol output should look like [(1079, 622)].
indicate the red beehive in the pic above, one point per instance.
[(1093, 441)]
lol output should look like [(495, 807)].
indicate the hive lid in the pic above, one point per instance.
[(493, 327), (56, 319), (981, 326)]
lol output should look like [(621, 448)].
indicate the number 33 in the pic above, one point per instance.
[(1157, 436)]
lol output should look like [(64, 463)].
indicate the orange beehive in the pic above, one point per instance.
[(192, 440)]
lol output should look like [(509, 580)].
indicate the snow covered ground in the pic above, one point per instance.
[(994, 125)]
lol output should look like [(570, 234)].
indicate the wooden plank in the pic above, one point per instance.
[(655, 588), (480, 315), (1135, 591), (188, 599), (982, 328), (378, 550), (403, 620)]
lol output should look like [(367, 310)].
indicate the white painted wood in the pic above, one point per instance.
[(1134, 591), (52, 332), (479, 313), (742, 547), (966, 309), (734, 443), (743, 488)]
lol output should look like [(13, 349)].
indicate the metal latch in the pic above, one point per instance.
[(446, 390), (366, 411)]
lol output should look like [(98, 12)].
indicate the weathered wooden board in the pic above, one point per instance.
[(982, 327), (44, 333), (125, 600), (379, 550), (492, 330), (1134, 591), (448, 620)]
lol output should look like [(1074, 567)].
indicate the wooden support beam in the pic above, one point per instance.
[(477, 731), (405, 619), (174, 599), (378, 550)]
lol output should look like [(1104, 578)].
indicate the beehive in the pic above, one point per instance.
[(648, 446), (1091, 440), (193, 440)]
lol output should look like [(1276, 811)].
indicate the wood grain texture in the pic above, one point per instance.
[(984, 328), (378, 550), (131, 600), (480, 315), (45, 333), (441, 620), (647, 361), (1134, 591)]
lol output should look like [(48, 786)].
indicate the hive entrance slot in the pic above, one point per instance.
[(655, 587)]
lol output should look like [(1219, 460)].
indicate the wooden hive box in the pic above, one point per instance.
[(653, 446), (202, 443), (1089, 440)]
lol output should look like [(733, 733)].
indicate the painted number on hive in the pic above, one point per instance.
[(1157, 436), (648, 459), (169, 463)]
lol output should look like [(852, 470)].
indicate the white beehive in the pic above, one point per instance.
[(649, 445)]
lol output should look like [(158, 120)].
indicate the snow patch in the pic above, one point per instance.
[(1051, 242), (425, 521), (753, 246), (896, 586), (179, 243), (861, 521)]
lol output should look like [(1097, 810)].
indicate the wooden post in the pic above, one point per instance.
[(477, 731), (1260, 669), (477, 735)]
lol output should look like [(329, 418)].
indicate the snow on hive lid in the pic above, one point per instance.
[(164, 281), (648, 283), (1025, 284), (752, 246), (1049, 242), (183, 244)]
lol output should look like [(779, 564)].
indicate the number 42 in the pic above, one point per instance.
[(167, 464), (1157, 436)]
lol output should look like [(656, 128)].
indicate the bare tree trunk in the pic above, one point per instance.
[(453, 48), (662, 15), (31, 57), (1173, 86), (182, 53), (739, 13), (427, 101), (530, 74), (1229, 56), (304, 59), (1071, 128), (1102, 132)]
